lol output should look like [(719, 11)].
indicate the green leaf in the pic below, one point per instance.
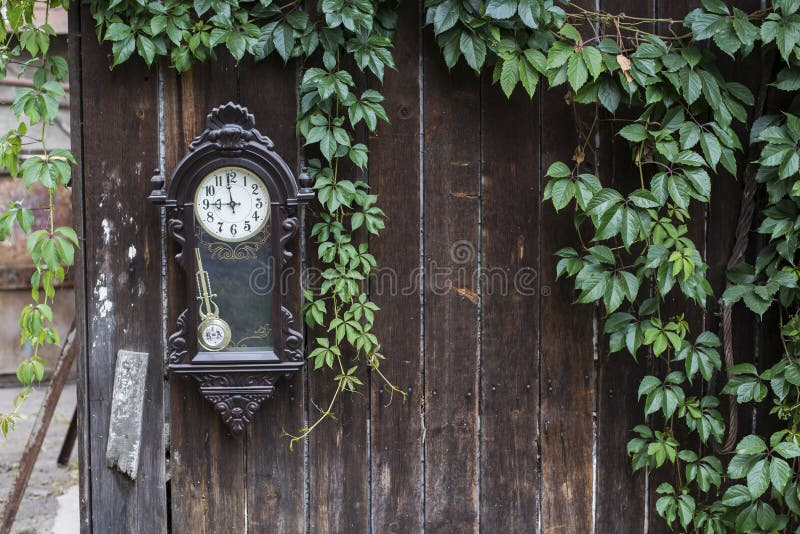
[(558, 170), (711, 148), (146, 49), (788, 79), (118, 32), (563, 191), (736, 496), (648, 384), (758, 478), (629, 227), (474, 50), (691, 85), (779, 473), (445, 17), (559, 54), (609, 94), (509, 76), (501, 9), (283, 38), (634, 133), (643, 198), (570, 32), (751, 444), (787, 449), (236, 44), (577, 73), (593, 60), (529, 12)]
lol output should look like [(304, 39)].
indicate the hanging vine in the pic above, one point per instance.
[(636, 251), (25, 42)]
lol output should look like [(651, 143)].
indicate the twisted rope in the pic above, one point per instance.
[(746, 210)]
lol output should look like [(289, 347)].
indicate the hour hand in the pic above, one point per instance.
[(232, 203)]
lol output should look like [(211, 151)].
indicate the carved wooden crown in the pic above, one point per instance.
[(230, 127)]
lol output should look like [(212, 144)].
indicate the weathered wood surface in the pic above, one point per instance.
[(451, 203), (510, 301), (121, 306), (127, 405), (397, 494), (516, 418)]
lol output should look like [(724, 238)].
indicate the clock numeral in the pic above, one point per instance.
[(245, 180), (259, 204), (247, 226), (210, 216), (255, 189), (217, 181), (233, 229), (210, 190), (220, 227), (255, 216), (206, 203)]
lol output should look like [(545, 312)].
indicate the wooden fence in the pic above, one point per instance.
[(517, 417)]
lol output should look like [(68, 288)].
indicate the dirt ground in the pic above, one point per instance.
[(50, 504)]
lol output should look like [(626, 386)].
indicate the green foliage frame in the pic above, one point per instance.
[(635, 253)]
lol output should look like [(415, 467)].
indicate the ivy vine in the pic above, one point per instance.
[(25, 42), (636, 252)]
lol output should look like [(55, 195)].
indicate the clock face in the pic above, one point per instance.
[(232, 204)]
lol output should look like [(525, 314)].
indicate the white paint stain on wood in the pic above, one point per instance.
[(108, 226), (104, 305)]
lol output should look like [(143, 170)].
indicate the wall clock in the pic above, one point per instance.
[(232, 205)]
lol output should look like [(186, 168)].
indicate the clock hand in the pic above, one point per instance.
[(232, 203)]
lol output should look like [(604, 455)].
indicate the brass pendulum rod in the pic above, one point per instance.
[(204, 287)]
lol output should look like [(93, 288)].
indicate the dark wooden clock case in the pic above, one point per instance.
[(236, 383)]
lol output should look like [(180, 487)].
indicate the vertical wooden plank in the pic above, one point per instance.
[(567, 371), (450, 202), (397, 492), (75, 44), (122, 265), (618, 409), (510, 311), (207, 464), (275, 475)]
